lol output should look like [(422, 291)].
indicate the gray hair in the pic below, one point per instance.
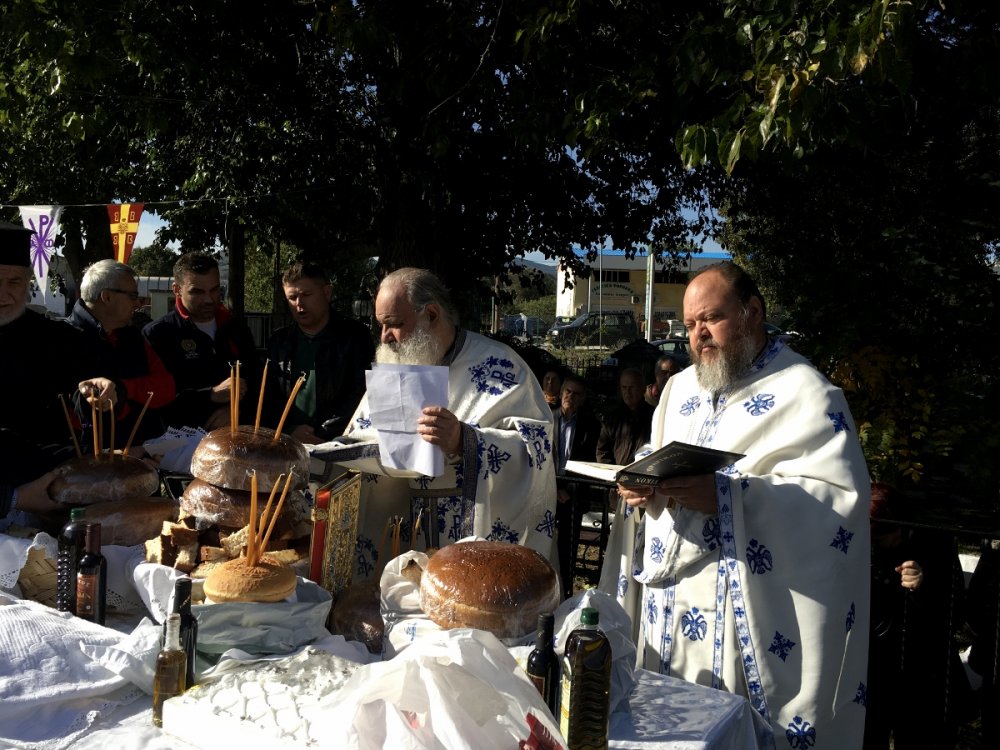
[(104, 274), (423, 288)]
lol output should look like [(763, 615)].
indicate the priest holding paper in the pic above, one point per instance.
[(754, 579), (488, 424)]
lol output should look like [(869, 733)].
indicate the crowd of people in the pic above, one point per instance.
[(754, 579)]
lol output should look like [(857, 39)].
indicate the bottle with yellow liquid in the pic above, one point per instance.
[(171, 669), (586, 685)]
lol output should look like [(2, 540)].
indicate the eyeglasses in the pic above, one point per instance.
[(131, 295)]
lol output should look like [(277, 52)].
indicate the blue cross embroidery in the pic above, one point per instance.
[(501, 532), (800, 733), (759, 557), (652, 612), (656, 550), (690, 406), (493, 376), (694, 625), (861, 697), (422, 482), (781, 646), (759, 404), (843, 539), (839, 421), (850, 618), (537, 439), (548, 524), (622, 585), (496, 458), (411, 630), (363, 422), (711, 532)]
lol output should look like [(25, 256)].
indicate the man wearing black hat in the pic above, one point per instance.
[(42, 358)]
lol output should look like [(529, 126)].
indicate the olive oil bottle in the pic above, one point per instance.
[(171, 669), (586, 685)]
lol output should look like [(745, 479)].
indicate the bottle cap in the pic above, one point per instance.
[(590, 616), (546, 620), (77, 514)]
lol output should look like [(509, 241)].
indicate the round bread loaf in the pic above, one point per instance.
[(226, 459), (492, 586), (101, 479), (231, 508), (130, 522), (238, 581)]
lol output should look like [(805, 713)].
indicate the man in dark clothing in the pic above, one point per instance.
[(42, 359), (199, 341), (332, 351), (109, 294), (576, 433), (627, 427)]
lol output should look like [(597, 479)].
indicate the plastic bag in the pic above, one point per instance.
[(459, 689)]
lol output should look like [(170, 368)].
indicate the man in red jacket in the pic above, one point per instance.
[(198, 342)]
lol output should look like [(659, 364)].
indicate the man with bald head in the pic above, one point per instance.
[(495, 432), (755, 579)]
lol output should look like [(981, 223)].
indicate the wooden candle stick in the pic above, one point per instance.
[(252, 531), (277, 511), (135, 427), (260, 398), (288, 406), (69, 423)]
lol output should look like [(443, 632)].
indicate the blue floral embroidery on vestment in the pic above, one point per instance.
[(411, 630), (690, 406), (451, 508), (365, 555), (850, 618), (711, 532), (694, 625), (800, 733), (548, 524), (622, 585), (759, 404), (422, 482), (501, 532), (843, 539), (496, 457), (370, 478), (781, 646), (744, 483), (363, 422), (536, 437), (493, 376), (759, 557), (652, 611), (628, 511), (839, 421), (861, 697), (656, 550)]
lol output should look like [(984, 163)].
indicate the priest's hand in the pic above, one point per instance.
[(696, 492), (911, 575), (102, 389), (220, 392), (636, 497), (440, 427)]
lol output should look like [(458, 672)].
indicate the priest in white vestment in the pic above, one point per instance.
[(495, 431), (754, 579)]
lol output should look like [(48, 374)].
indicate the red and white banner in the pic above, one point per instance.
[(124, 219), (44, 222)]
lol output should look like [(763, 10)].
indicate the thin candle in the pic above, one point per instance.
[(135, 427), (267, 509), (93, 417), (260, 399), (277, 511), (236, 402), (232, 416), (288, 406), (252, 535), (69, 423)]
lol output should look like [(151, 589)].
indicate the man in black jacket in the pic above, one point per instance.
[(199, 340), (332, 351)]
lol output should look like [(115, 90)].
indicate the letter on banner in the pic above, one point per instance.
[(124, 219), (44, 222)]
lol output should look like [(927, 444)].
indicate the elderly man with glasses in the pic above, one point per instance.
[(109, 295)]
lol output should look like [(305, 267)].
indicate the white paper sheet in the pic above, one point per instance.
[(396, 396)]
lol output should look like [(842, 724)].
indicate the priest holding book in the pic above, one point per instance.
[(754, 579)]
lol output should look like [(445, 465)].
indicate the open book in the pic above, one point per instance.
[(674, 459)]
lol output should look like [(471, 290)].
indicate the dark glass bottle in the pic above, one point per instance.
[(189, 624), (92, 578), (171, 669), (543, 664), (71, 543), (586, 684)]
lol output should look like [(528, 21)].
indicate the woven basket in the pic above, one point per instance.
[(38, 578)]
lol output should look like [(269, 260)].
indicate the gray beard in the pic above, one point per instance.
[(732, 364), (419, 349)]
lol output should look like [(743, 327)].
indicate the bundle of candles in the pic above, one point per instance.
[(234, 401)]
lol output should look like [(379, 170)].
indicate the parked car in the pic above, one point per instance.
[(610, 329), (680, 348)]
